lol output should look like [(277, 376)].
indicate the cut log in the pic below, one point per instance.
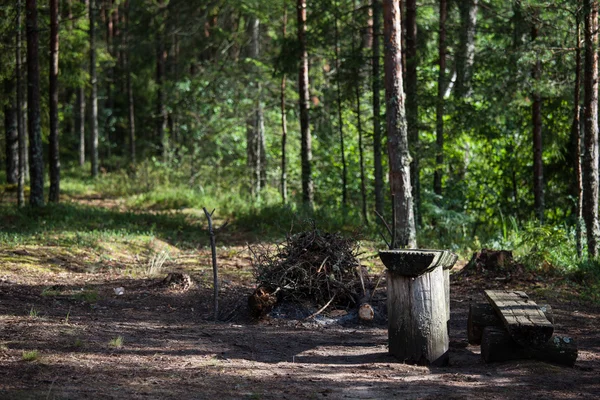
[(417, 318), (366, 312), (498, 345), (523, 319), (483, 314)]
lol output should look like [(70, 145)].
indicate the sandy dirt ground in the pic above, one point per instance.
[(157, 341)]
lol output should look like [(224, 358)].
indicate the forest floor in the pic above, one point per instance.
[(66, 333)]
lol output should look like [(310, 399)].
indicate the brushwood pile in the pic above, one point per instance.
[(314, 267)]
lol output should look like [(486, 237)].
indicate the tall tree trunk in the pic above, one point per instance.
[(303, 91), (376, 78), (283, 123), (161, 110), (130, 103), (590, 159), (20, 118), (36, 160), (439, 125), (94, 95), (339, 110), (363, 184), (412, 103), (80, 109), (255, 148), (12, 133), (465, 56), (576, 140), (54, 193), (357, 91), (399, 155), (536, 118)]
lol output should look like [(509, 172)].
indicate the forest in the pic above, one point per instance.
[(466, 125)]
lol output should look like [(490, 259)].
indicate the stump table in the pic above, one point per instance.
[(418, 291)]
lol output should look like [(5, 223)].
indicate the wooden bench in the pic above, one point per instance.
[(524, 320), (513, 327)]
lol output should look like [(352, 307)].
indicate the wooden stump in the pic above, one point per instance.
[(483, 314), (498, 345), (417, 318)]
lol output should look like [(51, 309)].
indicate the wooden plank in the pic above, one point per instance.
[(523, 319)]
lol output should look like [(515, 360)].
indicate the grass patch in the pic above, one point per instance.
[(87, 296), (33, 313), (31, 355), (117, 342)]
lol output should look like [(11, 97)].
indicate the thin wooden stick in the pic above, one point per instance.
[(376, 286), (213, 248), (384, 223), (321, 310)]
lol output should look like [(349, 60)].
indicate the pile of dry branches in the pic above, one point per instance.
[(314, 266)]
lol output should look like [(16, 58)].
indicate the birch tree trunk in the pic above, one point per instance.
[(94, 94), (465, 56), (283, 124), (439, 125), (339, 108), (303, 91), (412, 103)]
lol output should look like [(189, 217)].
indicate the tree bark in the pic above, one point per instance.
[(22, 141), (12, 133), (161, 110), (439, 125), (283, 124), (536, 118), (94, 94), (465, 56), (339, 109), (576, 140), (255, 147), (590, 160), (129, 88), (412, 103), (357, 90), (54, 193), (80, 109), (399, 155), (377, 150), (303, 90), (36, 160)]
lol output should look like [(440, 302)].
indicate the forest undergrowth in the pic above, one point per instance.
[(144, 213)]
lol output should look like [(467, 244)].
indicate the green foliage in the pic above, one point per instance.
[(117, 342), (31, 355)]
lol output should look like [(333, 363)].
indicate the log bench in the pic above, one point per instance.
[(513, 327)]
